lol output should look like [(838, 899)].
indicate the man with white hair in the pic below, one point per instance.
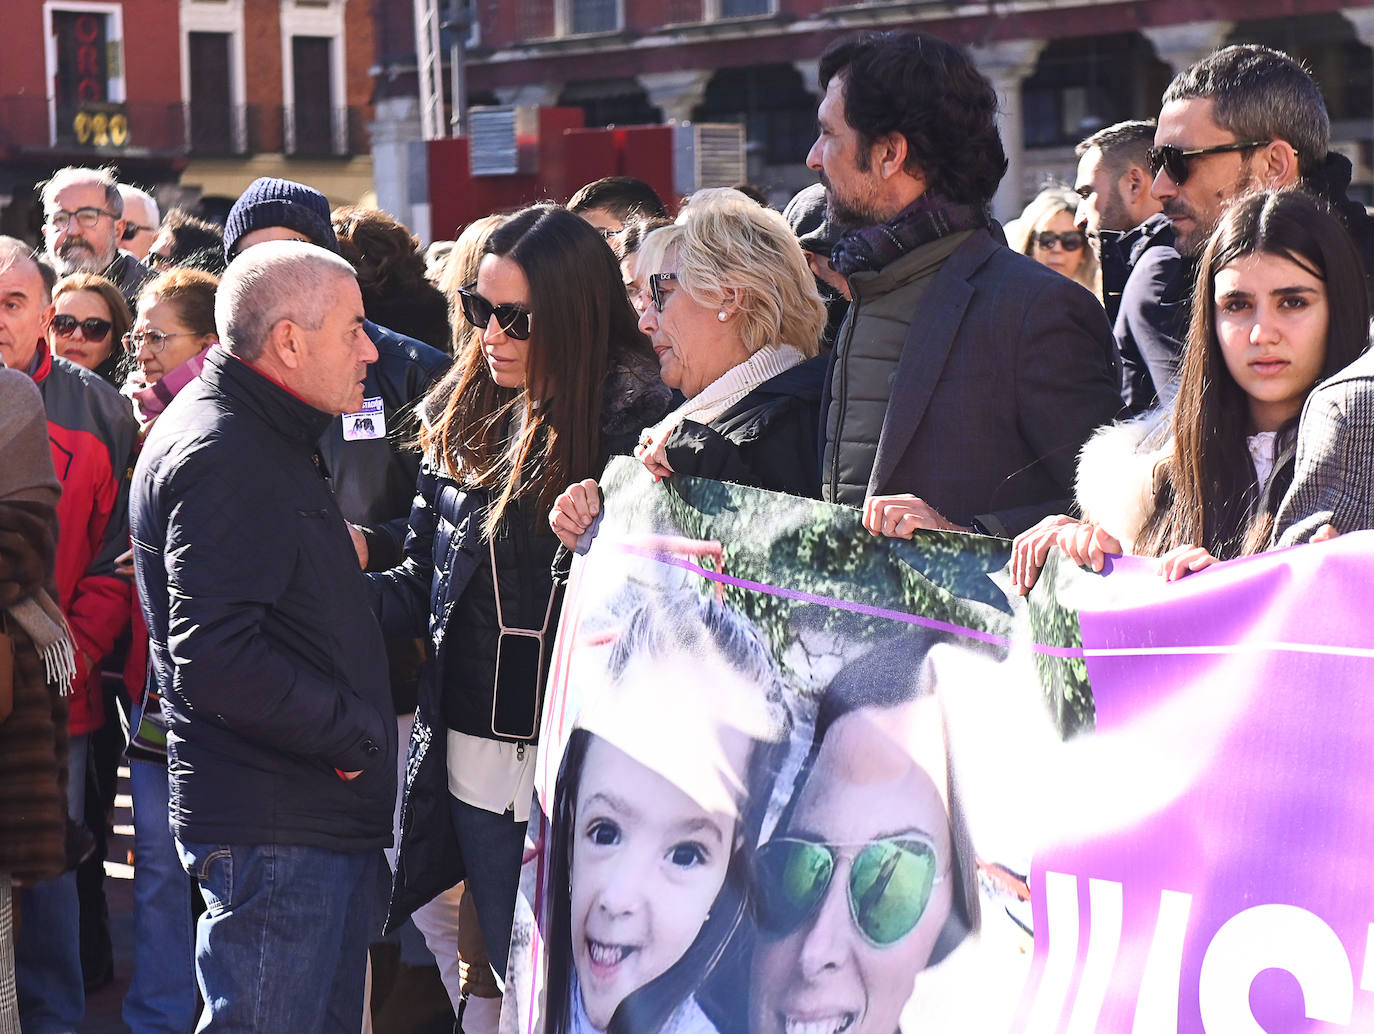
[(281, 740), (83, 223), (141, 221)]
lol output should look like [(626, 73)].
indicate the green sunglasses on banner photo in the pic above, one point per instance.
[(890, 884)]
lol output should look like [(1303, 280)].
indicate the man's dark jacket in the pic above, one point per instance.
[(1006, 368), (259, 627)]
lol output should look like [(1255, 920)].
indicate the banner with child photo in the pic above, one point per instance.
[(797, 779)]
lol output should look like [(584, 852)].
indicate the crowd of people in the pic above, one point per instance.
[(308, 495)]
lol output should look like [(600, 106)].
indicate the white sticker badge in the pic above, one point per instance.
[(369, 422)]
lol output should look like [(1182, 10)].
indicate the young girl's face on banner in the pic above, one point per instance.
[(647, 864)]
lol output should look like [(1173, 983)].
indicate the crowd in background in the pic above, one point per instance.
[(308, 494)]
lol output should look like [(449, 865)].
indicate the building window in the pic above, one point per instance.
[(218, 122), (588, 16), (777, 110), (744, 8), (1082, 85), (315, 118), (311, 61), (85, 67)]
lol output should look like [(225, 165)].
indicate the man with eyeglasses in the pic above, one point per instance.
[(141, 221), (1242, 119), (91, 430), (83, 225)]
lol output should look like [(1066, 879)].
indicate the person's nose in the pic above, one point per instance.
[(813, 156), (829, 933), (1080, 215), (1163, 186), (648, 317), (1265, 329), (623, 880), (368, 351), (492, 334)]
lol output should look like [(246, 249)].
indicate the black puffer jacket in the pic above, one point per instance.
[(768, 439), (258, 623), (444, 587), (373, 462)]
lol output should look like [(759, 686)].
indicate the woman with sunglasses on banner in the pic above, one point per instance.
[(869, 876), (1047, 231), (1279, 305), (650, 840), (734, 316), (90, 317), (167, 348), (558, 379)]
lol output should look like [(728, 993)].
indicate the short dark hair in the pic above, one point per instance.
[(931, 93), (1259, 93), (196, 244), (385, 253), (1122, 145), (622, 196)]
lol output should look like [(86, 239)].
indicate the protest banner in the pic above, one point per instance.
[(798, 779)]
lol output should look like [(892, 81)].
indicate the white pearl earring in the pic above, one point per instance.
[(721, 316)]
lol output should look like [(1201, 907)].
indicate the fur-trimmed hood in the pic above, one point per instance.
[(1118, 474)]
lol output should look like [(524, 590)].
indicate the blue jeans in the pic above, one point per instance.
[(47, 956), (491, 846), (282, 945), (162, 991)]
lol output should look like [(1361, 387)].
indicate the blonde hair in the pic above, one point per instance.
[(1046, 204), (725, 241)]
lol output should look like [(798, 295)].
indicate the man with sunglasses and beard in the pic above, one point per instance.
[(83, 225), (91, 431), (1242, 119)]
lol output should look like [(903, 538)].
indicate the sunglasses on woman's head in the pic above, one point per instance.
[(656, 292), (1069, 240), (514, 320), (889, 887), (1176, 161), (92, 328)]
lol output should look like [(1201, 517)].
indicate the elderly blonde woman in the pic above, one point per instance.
[(735, 320), (1048, 232)]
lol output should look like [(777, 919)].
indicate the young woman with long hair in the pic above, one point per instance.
[(558, 379), (1279, 305)]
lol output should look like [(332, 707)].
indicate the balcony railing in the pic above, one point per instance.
[(30, 123), (312, 133)]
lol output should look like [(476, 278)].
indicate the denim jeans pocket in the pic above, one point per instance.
[(213, 869)]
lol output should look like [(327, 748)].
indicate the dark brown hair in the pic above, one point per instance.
[(1209, 495), (505, 439), (385, 254)]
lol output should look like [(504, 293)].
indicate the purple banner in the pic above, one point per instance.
[(1216, 874)]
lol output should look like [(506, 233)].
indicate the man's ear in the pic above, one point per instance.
[(890, 154), (1134, 185), (285, 344), (46, 320), (1276, 164)]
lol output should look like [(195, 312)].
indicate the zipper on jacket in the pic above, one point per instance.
[(840, 398)]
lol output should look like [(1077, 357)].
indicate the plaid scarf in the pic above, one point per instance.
[(926, 219)]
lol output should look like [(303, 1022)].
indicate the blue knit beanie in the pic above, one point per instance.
[(276, 202)]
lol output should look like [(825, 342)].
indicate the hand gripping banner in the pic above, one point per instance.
[(797, 779)]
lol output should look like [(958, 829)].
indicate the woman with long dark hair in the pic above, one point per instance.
[(1279, 305), (558, 379)]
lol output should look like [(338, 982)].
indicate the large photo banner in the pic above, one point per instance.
[(797, 779)]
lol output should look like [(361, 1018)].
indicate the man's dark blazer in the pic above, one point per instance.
[(1006, 369)]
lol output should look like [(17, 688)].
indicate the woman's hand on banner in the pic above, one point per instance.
[(1174, 564), (1031, 548), (1087, 544), (574, 510)]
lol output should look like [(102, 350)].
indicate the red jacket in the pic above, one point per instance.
[(91, 429)]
